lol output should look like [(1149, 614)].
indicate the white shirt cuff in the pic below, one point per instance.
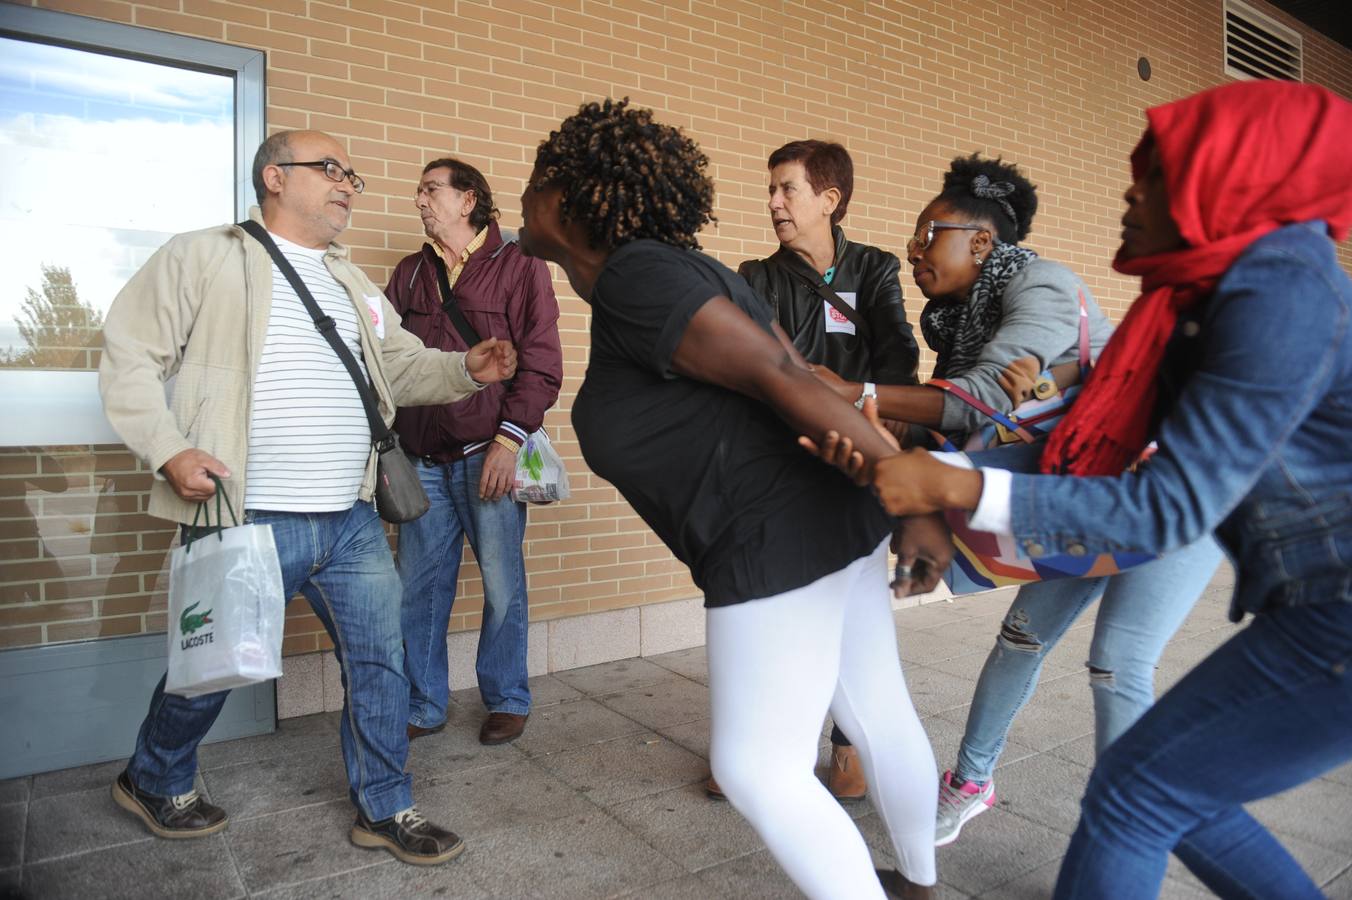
[(993, 511), (956, 460)]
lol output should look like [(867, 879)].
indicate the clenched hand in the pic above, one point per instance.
[(491, 360), (189, 474)]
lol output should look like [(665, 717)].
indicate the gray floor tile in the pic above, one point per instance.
[(568, 726), (945, 733), (1341, 887), (631, 766), (1319, 811), (78, 823), (1061, 710), (456, 749), (995, 848), (665, 703), (74, 781), (388, 880), (16, 790), (613, 677), (1340, 775), (1043, 789), (938, 615), (303, 736), (1036, 884), (692, 663), (494, 798), (927, 650), (755, 876), (151, 869), (693, 736), (297, 845), (688, 827), (688, 887), (13, 823), (272, 785), (1079, 751), (583, 856), (545, 690), (933, 691)]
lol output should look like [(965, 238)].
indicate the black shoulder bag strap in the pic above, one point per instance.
[(381, 435), (452, 308), (819, 286)]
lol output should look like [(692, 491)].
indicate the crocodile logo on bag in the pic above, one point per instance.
[(190, 621)]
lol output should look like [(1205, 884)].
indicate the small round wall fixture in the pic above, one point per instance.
[(1143, 68)]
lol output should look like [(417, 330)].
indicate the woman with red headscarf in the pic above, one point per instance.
[(1238, 357)]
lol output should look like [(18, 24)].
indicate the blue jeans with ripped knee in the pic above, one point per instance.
[(1140, 610)]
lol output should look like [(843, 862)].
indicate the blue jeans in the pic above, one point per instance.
[(1141, 609), (1270, 709), (429, 564), (341, 562)]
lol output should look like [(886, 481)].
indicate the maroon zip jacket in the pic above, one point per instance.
[(503, 293)]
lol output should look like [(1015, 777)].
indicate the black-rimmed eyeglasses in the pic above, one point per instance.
[(333, 172), (926, 237)]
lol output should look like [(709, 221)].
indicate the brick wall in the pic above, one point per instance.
[(906, 86)]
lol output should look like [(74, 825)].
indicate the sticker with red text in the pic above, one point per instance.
[(374, 305), (835, 319)]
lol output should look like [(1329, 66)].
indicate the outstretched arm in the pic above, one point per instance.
[(723, 346)]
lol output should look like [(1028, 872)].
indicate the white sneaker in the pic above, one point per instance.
[(959, 804)]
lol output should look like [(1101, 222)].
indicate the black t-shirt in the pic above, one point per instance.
[(717, 475)]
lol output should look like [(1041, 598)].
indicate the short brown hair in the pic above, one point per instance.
[(827, 164), (465, 177)]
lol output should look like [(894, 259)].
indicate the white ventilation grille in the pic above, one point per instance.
[(1258, 47)]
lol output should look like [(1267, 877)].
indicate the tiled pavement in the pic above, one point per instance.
[(601, 797)]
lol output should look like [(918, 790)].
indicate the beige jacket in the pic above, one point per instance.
[(199, 310)]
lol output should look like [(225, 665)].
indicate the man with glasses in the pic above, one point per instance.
[(262, 402), (839, 302), (469, 280)]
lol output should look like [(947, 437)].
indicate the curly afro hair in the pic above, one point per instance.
[(1020, 194), (627, 177)]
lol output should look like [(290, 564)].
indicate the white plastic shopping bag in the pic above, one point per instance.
[(226, 611), (540, 475)]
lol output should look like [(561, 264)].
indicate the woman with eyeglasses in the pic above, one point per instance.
[(1237, 357), (992, 302)]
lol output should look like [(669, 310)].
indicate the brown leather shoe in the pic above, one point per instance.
[(410, 837), (185, 816), (501, 727), (417, 731), (846, 779), (896, 885), (713, 791)]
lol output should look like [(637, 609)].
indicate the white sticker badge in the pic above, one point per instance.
[(835, 319), (377, 316)]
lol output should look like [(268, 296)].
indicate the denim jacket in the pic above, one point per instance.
[(1255, 441)]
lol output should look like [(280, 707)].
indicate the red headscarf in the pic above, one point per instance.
[(1239, 162)]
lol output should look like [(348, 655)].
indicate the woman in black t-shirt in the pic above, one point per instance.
[(690, 407)]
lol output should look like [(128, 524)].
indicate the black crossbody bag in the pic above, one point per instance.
[(827, 293), (399, 493)]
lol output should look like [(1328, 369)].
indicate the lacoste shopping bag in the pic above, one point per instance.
[(226, 609)]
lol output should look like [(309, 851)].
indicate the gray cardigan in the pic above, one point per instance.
[(1040, 318)]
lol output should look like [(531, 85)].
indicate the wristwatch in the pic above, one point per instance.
[(870, 390)]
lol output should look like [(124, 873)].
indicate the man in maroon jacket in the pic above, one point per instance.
[(469, 282)]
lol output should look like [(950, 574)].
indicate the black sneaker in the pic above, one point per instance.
[(410, 837), (184, 816)]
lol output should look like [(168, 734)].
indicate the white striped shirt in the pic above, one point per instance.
[(309, 439)]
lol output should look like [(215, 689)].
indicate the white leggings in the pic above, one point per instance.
[(776, 666)]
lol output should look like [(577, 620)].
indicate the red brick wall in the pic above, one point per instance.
[(906, 86)]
